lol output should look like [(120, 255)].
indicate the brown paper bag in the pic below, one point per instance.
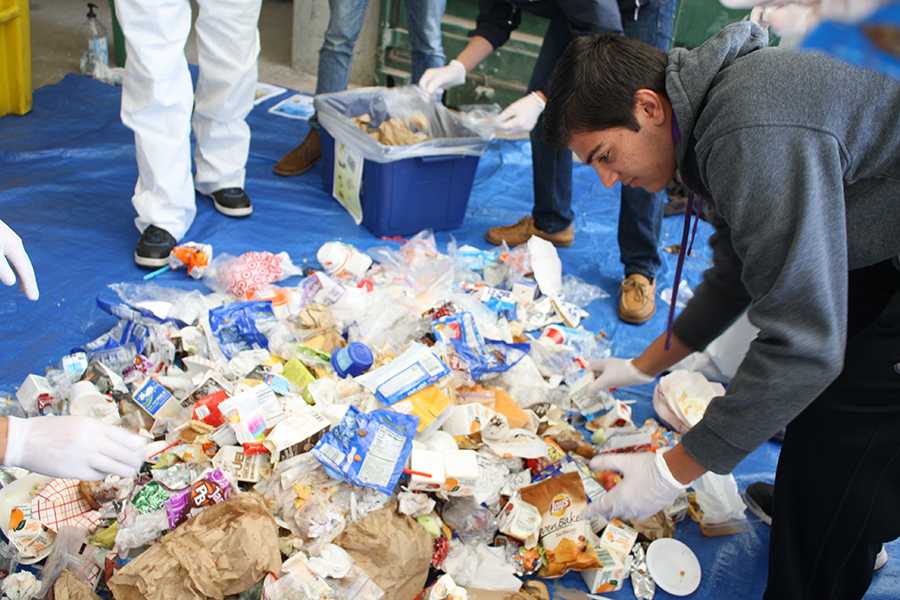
[(393, 549), (222, 551), (69, 587)]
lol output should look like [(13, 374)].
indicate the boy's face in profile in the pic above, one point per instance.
[(644, 158)]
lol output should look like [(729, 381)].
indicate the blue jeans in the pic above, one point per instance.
[(346, 21), (641, 213)]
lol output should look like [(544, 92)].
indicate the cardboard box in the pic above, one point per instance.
[(35, 394), (461, 469), (610, 577), (428, 462)]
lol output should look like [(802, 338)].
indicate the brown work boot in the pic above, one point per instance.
[(637, 299), (520, 233), (302, 158)]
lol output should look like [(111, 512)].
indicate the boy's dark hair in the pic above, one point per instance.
[(593, 85)]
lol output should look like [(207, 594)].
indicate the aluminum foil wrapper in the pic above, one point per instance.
[(643, 585)]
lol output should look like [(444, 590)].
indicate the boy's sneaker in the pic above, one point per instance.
[(232, 202), (153, 248), (759, 498)]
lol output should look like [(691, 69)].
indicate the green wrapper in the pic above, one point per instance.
[(151, 498)]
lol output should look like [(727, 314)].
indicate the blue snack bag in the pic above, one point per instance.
[(368, 449), (481, 358), (235, 326)]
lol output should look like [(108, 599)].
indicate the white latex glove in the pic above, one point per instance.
[(73, 448), (521, 116), (438, 79), (647, 486), (617, 373), (793, 20), (12, 252)]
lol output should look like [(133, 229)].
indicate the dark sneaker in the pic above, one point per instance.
[(153, 248), (759, 498), (232, 202)]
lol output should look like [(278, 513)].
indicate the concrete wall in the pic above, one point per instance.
[(310, 22)]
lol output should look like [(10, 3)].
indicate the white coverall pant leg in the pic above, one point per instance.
[(158, 96), (228, 48)]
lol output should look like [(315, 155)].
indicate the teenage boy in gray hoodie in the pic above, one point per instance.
[(796, 160)]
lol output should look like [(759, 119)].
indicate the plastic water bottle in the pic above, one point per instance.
[(97, 52)]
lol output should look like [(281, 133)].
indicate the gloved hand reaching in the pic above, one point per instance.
[(521, 116), (616, 373), (438, 79), (647, 486), (73, 448), (12, 252)]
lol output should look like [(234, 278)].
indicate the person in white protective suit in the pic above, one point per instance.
[(157, 100), (69, 447)]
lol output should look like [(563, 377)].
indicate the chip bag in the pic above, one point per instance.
[(569, 543)]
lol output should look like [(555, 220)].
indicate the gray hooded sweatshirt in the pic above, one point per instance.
[(797, 157)]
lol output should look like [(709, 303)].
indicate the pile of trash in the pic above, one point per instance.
[(402, 423)]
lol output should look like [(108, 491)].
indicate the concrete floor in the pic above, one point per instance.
[(57, 41)]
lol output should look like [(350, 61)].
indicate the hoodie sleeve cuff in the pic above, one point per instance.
[(711, 450)]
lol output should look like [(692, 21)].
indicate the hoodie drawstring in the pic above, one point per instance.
[(688, 235)]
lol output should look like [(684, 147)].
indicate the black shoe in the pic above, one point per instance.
[(232, 202), (152, 250), (760, 498)]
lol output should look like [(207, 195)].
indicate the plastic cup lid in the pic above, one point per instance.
[(673, 566)]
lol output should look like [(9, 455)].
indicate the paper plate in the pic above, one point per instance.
[(673, 566)]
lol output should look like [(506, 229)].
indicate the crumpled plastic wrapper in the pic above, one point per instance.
[(481, 566), (414, 504), (69, 587), (224, 550), (177, 476), (21, 586), (136, 529), (333, 562), (393, 549), (643, 585)]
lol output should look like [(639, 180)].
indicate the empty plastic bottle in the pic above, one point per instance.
[(97, 52)]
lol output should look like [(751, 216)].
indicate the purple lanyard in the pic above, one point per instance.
[(692, 212)]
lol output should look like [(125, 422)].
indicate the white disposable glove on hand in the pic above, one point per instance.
[(617, 373), (12, 252), (646, 488), (521, 116), (438, 79), (73, 448)]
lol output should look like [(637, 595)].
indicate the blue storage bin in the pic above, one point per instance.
[(404, 197)]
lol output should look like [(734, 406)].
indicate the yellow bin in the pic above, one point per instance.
[(15, 57)]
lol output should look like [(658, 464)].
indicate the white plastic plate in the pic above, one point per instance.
[(673, 566)]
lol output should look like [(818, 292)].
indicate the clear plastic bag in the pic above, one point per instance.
[(581, 293), (469, 520), (447, 131)]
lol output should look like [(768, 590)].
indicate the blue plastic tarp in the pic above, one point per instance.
[(67, 172)]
